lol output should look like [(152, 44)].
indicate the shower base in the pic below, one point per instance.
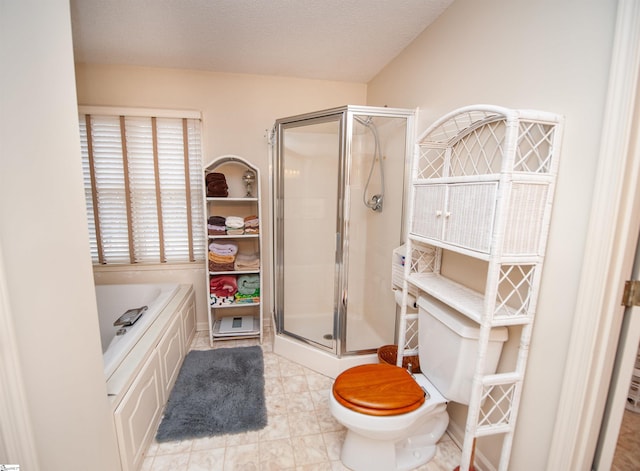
[(318, 330), (318, 360), (313, 327)]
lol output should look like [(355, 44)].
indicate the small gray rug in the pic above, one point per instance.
[(217, 392)]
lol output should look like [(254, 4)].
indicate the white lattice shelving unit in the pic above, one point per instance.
[(236, 203), (482, 186)]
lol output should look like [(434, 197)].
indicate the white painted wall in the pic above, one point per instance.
[(44, 241), (237, 111), (547, 55), (43, 230)]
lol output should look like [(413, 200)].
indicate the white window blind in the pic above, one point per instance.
[(143, 188)]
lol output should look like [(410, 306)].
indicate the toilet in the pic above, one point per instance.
[(394, 419)]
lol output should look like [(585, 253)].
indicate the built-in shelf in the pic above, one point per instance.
[(236, 335), (236, 305), (237, 272), (236, 203), (232, 200)]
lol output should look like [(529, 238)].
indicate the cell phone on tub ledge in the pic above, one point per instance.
[(130, 317)]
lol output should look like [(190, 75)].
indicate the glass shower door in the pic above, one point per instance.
[(338, 183), (375, 173), (307, 195)]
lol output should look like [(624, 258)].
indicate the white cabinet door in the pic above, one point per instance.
[(469, 215), (138, 414), (460, 214), (429, 210), (188, 323), (170, 351)]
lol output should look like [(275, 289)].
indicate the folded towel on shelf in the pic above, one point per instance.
[(248, 284), (213, 257), (217, 266), (215, 176), (251, 224), (247, 261), (216, 230), (216, 220), (223, 285), (234, 225), (247, 298), (234, 222), (216, 184), (221, 300), (217, 190), (228, 248)]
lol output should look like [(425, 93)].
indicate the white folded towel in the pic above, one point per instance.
[(223, 249), (234, 222)]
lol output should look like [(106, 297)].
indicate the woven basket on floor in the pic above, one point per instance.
[(389, 354)]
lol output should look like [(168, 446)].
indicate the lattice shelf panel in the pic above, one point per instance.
[(424, 259), (496, 407), (458, 124), (480, 152), (411, 334), (472, 143), (515, 290), (535, 146), (431, 162)]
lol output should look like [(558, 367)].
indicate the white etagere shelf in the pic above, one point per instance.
[(482, 186), (242, 200), (234, 335), (237, 203)]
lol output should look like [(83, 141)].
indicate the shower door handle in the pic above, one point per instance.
[(343, 294)]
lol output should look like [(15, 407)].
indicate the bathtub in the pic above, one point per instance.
[(141, 365), (115, 300)]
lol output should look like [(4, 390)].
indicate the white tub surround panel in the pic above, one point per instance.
[(139, 388)]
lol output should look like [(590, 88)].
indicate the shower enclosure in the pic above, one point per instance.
[(338, 197)]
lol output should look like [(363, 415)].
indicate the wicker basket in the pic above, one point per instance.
[(389, 354)]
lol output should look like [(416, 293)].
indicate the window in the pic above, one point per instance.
[(143, 186)]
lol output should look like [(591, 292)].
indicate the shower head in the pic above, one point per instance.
[(375, 203)]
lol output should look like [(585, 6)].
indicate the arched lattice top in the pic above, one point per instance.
[(484, 139)]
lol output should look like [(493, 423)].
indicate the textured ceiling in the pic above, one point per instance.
[(347, 40)]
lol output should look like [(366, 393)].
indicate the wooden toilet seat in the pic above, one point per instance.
[(378, 389)]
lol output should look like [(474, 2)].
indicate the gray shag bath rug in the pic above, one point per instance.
[(217, 392)]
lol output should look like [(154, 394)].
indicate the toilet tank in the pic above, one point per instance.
[(448, 348)]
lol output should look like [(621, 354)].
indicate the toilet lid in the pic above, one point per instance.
[(378, 389)]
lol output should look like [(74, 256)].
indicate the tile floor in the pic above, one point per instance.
[(627, 454), (301, 434)]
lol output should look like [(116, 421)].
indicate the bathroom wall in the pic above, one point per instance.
[(45, 269), (547, 55), (237, 111)]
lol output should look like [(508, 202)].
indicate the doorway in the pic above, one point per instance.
[(618, 446), (616, 208)]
